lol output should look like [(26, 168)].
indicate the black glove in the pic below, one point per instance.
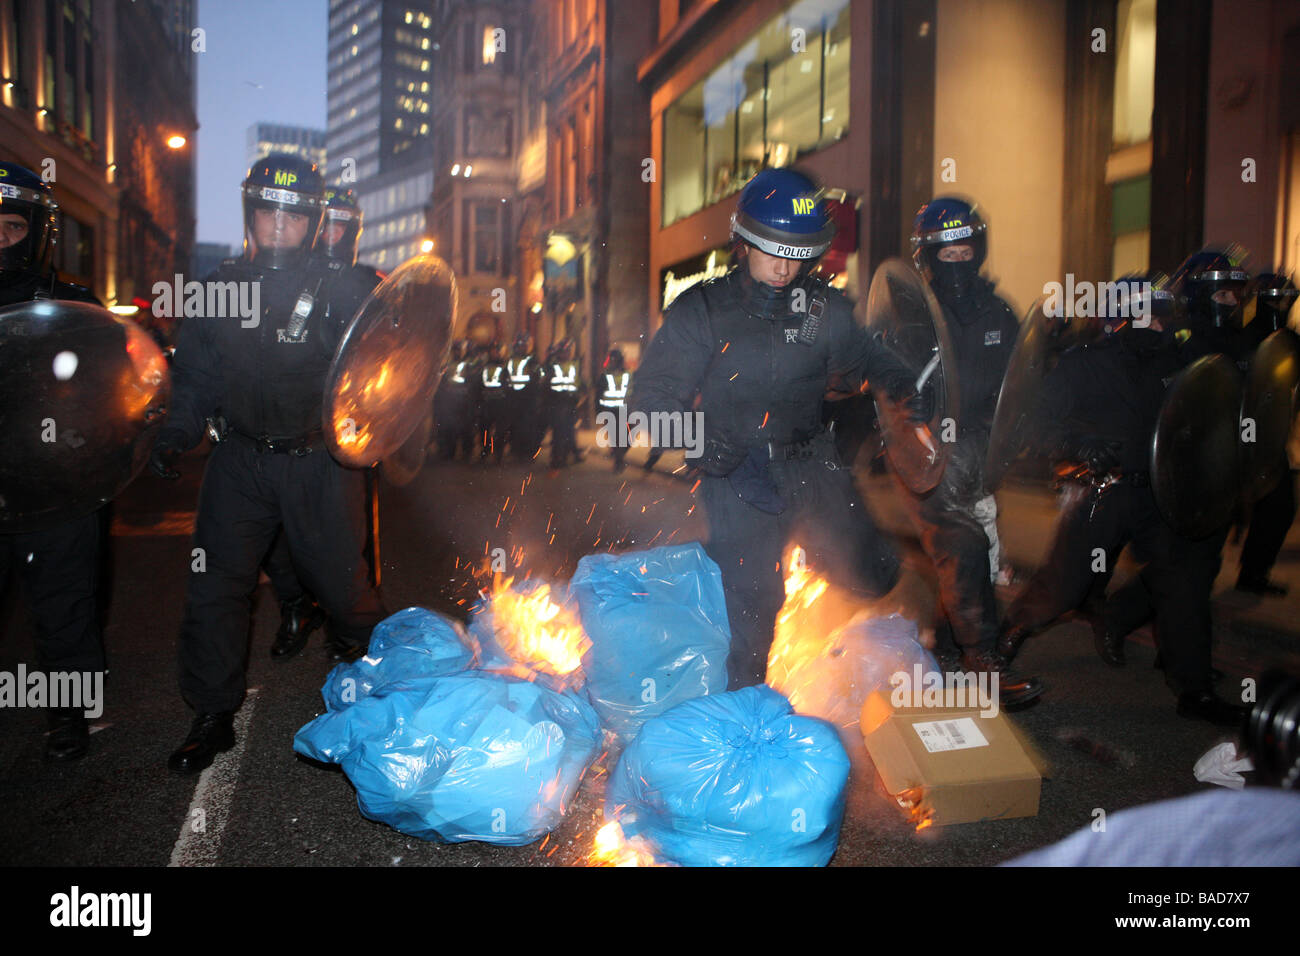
[(752, 482), (720, 458), (166, 452), (1101, 454)]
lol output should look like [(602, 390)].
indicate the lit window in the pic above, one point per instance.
[(354, 29), (409, 16), (489, 45)]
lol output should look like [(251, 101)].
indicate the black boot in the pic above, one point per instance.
[(69, 735), (297, 620), (1010, 639), (1206, 705), (210, 734), (1109, 644), (1013, 690), (340, 651)]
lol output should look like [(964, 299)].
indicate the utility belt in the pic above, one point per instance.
[(299, 445), (815, 446)]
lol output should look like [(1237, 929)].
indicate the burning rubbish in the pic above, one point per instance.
[(657, 621), (531, 628), (466, 755), (826, 660), (613, 848), (733, 779)]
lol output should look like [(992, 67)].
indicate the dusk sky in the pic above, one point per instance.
[(264, 61)]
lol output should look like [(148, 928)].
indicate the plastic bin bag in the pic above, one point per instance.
[(472, 756), (657, 621), (414, 645), (733, 779), (832, 679)]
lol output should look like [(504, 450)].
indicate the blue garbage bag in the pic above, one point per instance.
[(410, 646), (657, 621), (733, 779), (471, 756), (855, 660)]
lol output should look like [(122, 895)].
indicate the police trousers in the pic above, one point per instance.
[(825, 515), (247, 495)]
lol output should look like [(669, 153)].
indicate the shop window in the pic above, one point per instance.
[(781, 95)]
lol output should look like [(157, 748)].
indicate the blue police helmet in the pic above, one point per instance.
[(782, 213)]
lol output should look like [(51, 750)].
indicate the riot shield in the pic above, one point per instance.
[(388, 363), (903, 310), (83, 393), (1195, 457), (1017, 422), (1267, 409), (401, 467)]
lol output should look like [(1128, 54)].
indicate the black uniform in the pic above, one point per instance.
[(453, 408), (983, 330), (272, 470), (1108, 395), (494, 386), (523, 407), (563, 390), (761, 392), (60, 566)]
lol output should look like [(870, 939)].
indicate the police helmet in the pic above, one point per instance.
[(614, 361), (26, 242), (782, 213), (943, 222), (1138, 303), (288, 184), (523, 345), (1272, 295), (1202, 277), (342, 227)]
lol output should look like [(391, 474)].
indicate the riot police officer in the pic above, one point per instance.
[(451, 403), (59, 566), (615, 381), (300, 614), (1101, 403), (494, 397), (759, 346), (957, 520), (563, 391), (266, 374), (522, 408), (1271, 516)]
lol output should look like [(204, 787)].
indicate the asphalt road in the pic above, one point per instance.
[(1112, 738)]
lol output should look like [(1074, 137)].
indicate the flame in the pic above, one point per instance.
[(536, 630), (612, 848)]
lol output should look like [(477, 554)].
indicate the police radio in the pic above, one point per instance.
[(812, 320)]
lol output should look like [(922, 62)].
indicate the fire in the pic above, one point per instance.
[(612, 848), (537, 631), (796, 642)]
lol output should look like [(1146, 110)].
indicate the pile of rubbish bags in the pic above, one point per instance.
[(450, 735)]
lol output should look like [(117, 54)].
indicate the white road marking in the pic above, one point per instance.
[(200, 838)]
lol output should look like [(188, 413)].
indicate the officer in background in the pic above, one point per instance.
[(1102, 403), (563, 392), (451, 404), (523, 406), (300, 614), (760, 346), (1272, 515), (494, 396), (956, 521), (615, 381), (59, 566), (267, 376)]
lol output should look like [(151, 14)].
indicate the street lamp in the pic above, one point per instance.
[(175, 141), (426, 246)]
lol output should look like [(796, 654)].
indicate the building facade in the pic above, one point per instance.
[(1097, 136), (99, 99), (379, 138), (267, 138)]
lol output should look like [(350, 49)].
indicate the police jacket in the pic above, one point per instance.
[(264, 380), (1111, 390), (983, 330), (756, 381)]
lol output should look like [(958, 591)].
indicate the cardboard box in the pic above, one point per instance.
[(950, 765)]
